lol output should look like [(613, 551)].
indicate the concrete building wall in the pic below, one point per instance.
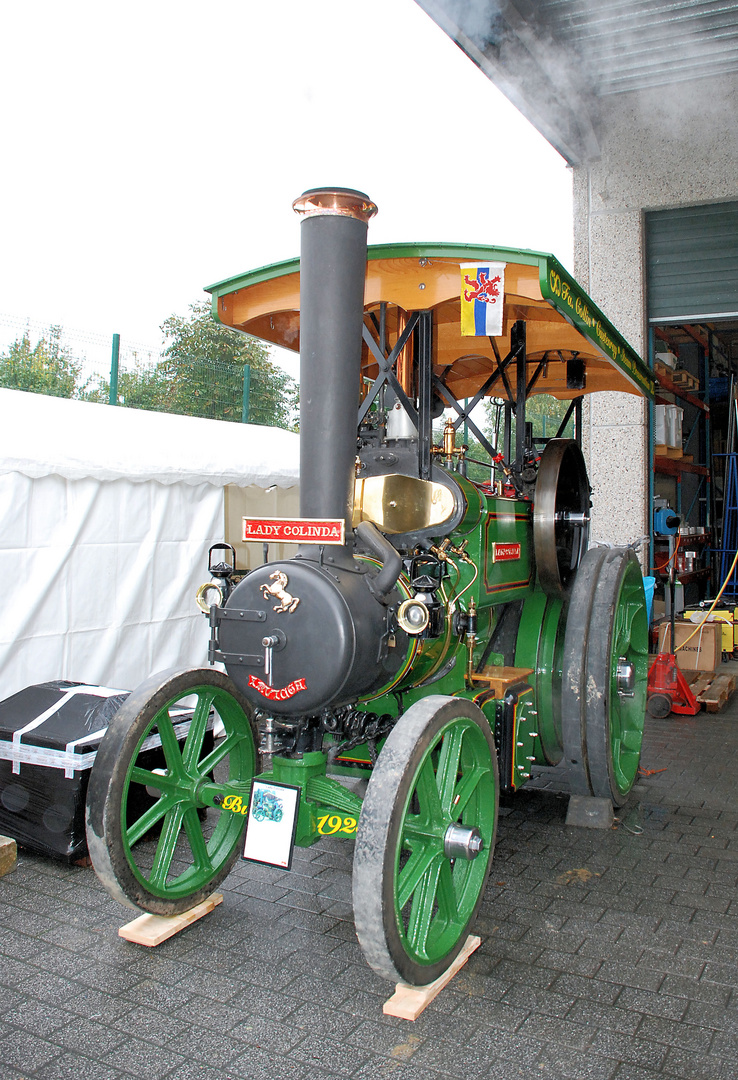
[(672, 147)]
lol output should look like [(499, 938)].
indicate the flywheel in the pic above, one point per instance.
[(560, 515)]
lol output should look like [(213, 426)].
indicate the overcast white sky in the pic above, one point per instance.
[(153, 148)]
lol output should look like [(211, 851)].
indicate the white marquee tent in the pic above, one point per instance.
[(106, 517)]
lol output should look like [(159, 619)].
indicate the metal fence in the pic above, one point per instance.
[(74, 364)]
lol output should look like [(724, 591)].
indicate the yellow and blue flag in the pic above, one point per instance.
[(482, 299)]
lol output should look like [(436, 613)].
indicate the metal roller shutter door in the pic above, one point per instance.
[(692, 263)]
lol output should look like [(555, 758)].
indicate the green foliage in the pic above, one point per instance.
[(44, 368), (203, 368), (544, 412)]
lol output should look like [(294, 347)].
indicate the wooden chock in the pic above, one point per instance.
[(408, 1002), (151, 930), (8, 854)]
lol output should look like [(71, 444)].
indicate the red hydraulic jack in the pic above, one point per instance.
[(668, 690)]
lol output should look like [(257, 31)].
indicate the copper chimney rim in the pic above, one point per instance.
[(335, 202)]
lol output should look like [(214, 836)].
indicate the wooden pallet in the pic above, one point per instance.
[(711, 690), (685, 380)]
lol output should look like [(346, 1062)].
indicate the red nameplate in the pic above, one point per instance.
[(295, 530), (505, 552)]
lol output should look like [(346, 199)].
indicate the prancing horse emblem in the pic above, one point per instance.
[(288, 602)]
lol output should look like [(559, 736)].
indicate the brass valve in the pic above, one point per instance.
[(443, 550), (448, 449)]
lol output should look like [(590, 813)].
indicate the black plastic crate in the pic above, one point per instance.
[(49, 735)]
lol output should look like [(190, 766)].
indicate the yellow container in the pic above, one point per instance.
[(727, 617)]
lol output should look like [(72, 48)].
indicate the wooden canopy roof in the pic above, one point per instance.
[(562, 322)]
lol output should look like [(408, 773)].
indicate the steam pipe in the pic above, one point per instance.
[(371, 537), (332, 272)]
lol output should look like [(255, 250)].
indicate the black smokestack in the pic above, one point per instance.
[(332, 273)]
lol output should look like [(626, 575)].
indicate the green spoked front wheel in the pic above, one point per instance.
[(425, 840), (156, 832)]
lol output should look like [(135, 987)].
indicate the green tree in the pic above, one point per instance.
[(543, 411), (44, 368), (144, 386), (203, 367)]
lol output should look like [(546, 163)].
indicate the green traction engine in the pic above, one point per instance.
[(433, 642)]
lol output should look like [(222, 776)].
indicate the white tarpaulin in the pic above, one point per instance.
[(106, 517), (42, 435)]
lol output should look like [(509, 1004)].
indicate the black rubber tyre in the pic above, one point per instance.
[(156, 843), (413, 903), (573, 676)]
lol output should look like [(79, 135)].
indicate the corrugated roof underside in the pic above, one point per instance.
[(635, 44)]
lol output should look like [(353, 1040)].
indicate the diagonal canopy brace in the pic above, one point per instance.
[(386, 373), (451, 400)]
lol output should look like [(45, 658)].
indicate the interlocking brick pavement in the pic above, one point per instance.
[(605, 956)]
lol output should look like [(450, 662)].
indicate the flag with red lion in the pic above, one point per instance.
[(482, 299)]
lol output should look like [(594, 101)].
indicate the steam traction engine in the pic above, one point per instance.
[(443, 639)]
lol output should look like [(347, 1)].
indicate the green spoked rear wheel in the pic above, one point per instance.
[(425, 840), (155, 830)]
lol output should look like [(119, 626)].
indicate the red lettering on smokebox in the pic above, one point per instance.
[(277, 695)]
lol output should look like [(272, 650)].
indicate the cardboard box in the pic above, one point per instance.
[(703, 653), (724, 616)]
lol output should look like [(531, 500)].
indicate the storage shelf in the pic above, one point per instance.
[(675, 466), (680, 392)]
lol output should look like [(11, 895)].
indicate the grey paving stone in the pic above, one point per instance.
[(392, 1038), (74, 1067), (157, 994), (15, 972), (325, 1052), (571, 1034), (25, 1051), (672, 1034), (92, 1038), (208, 1048), (268, 1034), (690, 1066), (33, 1016), (143, 1059), (654, 1004), (627, 1071), (628, 1048), (94, 1005), (696, 989), (589, 989), (557, 1063), (145, 1022)]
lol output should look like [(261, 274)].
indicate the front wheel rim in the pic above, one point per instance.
[(627, 712), (176, 811), (435, 896)]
